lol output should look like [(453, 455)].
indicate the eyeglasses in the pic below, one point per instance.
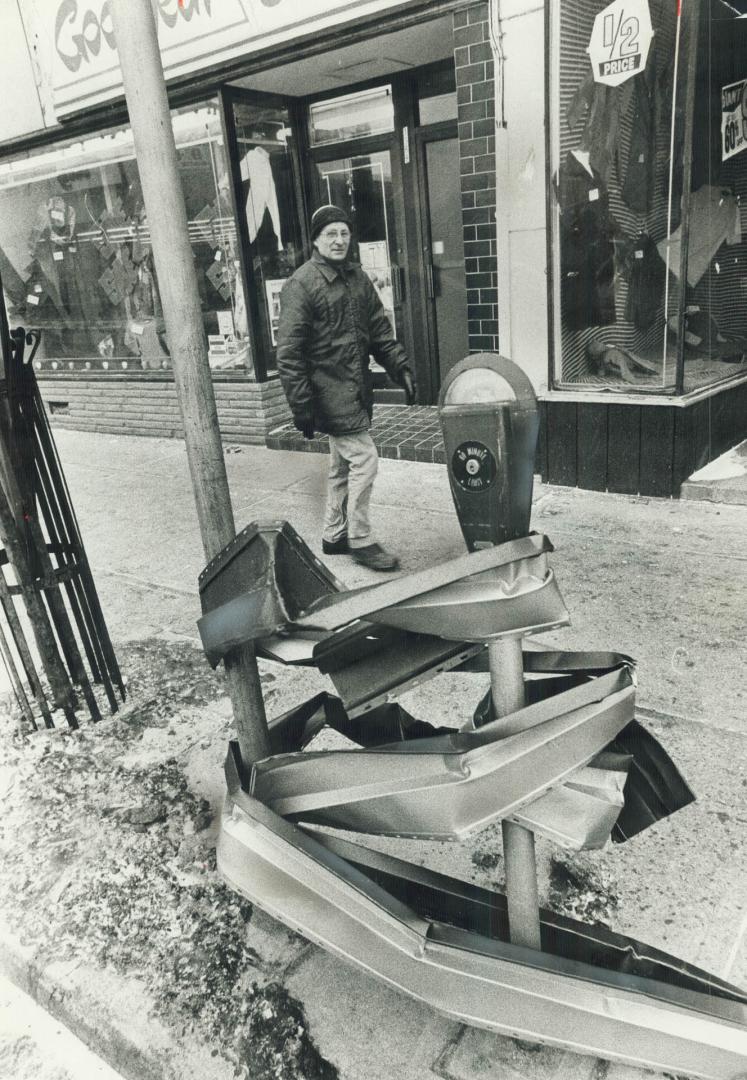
[(334, 234)]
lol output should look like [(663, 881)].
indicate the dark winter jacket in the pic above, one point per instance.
[(331, 319)]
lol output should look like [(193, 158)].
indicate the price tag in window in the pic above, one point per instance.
[(639, 254), (31, 299), (38, 289), (593, 194), (136, 328), (58, 256), (218, 255), (58, 216)]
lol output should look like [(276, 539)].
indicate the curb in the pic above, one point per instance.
[(102, 1012)]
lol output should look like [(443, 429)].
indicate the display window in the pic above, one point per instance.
[(76, 258), (266, 193), (646, 205), (715, 323)]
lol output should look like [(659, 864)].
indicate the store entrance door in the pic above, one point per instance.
[(443, 253), (362, 185)]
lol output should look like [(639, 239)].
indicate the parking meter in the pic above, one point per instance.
[(490, 423)]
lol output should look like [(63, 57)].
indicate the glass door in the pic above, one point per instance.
[(356, 165), (443, 252), (362, 186)]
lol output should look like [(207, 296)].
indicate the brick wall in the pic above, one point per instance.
[(247, 411), (475, 81)]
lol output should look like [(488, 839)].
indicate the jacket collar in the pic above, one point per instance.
[(327, 270)]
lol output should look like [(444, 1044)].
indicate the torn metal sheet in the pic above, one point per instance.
[(389, 723), (581, 813), (261, 580), (655, 787), (267, 579), (365, 678), (494, 573), (485, 607), (476, 979), (438, 897), (449, 785)]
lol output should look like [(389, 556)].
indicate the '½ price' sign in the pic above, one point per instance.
[(620, 40)]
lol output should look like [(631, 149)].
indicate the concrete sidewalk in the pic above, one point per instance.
[(665, 582)]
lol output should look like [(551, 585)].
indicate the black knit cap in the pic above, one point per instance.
[(324, 216)]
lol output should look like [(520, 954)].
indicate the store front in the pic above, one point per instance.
[(647, 241), (369, 120)]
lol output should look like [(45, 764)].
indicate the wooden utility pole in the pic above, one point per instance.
[(148, 107)]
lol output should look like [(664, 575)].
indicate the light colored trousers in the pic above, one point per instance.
[(353, 464)]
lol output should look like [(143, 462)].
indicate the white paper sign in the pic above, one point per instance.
[(620, 40), (225, 323), (733, 119)]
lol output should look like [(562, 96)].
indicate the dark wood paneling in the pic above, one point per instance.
[(540, 465), (720, 415), (731, 425), (561, 443), (634, 449), (701, 433), (657, 451), (624, 448), (684, 448), (591, 443)]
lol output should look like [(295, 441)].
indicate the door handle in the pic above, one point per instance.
[(429, 285)]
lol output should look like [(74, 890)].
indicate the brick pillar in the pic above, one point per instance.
[(475, 81)]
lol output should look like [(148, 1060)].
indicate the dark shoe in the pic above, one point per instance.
[(336, 547), (375, 557)]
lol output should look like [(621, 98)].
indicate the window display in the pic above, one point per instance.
[(619, 217), (716, 316), (267, 202), (75, 255)]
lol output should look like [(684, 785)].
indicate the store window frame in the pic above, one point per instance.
[(694, 15), (225, 96), (103, 121)]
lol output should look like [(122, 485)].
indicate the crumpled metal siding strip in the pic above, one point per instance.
[(481, 981), (446, 792), (440, 898), (491, 566), (593, 993)]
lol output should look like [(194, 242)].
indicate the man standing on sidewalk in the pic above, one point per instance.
[(331, 319)]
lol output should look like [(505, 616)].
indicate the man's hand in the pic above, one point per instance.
[(304, 424), (408, 385)]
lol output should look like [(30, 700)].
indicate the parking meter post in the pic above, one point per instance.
[(507, 690)]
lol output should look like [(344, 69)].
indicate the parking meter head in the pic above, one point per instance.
[(490, 422)]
